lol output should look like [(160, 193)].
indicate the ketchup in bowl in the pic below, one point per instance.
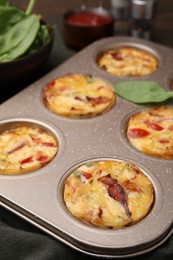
[(87, 18), (82, 27)]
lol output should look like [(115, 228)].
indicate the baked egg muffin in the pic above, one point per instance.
[(128, 61), (25, 148), (108, 194), (79, 96)]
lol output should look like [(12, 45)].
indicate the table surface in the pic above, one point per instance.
[(14, 230)]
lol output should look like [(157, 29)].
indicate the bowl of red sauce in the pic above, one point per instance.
[(82, 27)]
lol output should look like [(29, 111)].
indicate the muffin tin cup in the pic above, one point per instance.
[(38, 196), (123, 136)]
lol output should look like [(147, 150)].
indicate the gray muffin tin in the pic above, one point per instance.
[(38, 196)]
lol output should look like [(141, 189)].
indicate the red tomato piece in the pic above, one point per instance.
[(138, 133), (51, 84), (27, 160), (156, 127), (99, 171), (153, 126), (87, 175), (42, 158)]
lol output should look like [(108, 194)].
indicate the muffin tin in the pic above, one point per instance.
[(38, 196)]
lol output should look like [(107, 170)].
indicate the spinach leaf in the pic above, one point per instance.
[(3, 2), (142, 91), (8, 17), (22, 47), (21, 32), (41, 39), (16, 34)]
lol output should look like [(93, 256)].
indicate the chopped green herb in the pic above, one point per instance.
[(90, 164)]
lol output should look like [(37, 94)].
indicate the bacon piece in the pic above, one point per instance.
[(63, 88), (49, 144), (117, 56), (18, 147), (74, 108), (138, 133), (154, 113), (97, 100), (131, 186), (116, 191), (164, 119), (164, 141), (100, 213), (80, 98), (36, 139), (104, 67), (41, 131), (136, 170), (100, 87)]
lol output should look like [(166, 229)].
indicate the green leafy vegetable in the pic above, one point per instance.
[(27, 41), (142, 91), (3, 2), (21, 32), (41, 39), (8, 17), (17, 33)]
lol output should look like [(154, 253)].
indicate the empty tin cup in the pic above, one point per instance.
[(84, 26)]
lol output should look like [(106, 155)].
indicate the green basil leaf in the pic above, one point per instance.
[(142, 91)]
